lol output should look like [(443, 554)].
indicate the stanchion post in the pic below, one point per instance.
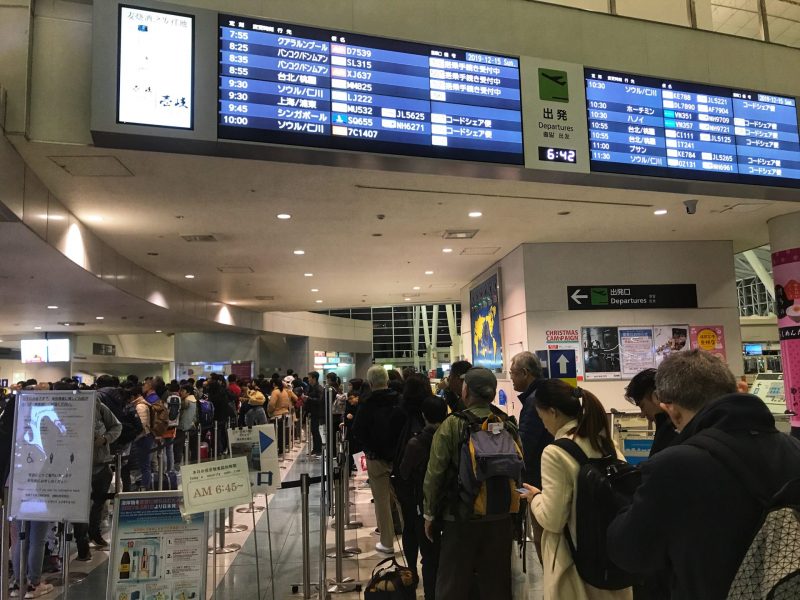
[(4, 547), (341, 584), (160, 463), (306, 542), (330, 441), (349, 523), (22, 576), (186, 455), (65, 563), (118, 474), (323, 559)]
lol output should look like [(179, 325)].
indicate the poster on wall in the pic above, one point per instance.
[(484, 310), (668, 339), (636, 349), (156, 552), (52, 468), (601, 358), (786, 272), (710, 338), (566, 339)]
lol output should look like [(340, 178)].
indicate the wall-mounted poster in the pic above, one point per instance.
[(710, 338), (786, 271), (484, 311), (668, 339), (601, 353), (636, 349)]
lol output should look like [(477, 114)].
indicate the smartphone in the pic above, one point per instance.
[(522, 490)]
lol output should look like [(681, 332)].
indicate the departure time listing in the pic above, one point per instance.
[(646, 124), (287, 84)]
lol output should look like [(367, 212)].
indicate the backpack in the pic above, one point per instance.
[(604, 486), (173, 403), (159, 418), (771, 567), (490, 465), (205, 413), (393, 582), (131, 427)]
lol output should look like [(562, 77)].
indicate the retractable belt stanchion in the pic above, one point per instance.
[(160, 463), (199, 442), (348, 522), (118, 474), (22, 576), (323, 559), (219, 516), (4, 547), (341, 584), (232, 527), (330, 441)]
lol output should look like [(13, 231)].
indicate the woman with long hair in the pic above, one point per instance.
[(577, 414)]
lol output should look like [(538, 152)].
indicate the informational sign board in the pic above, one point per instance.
[(668, 339), (710, 338), (786, 272), (615, 297), (216, 485), (563, 365), (265, 473), (51, 473), (636, 349), (156, 551), (601, 358)]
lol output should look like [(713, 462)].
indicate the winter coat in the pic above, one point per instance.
[(554, 508), (533, 435), (692, 517), (379, 423)]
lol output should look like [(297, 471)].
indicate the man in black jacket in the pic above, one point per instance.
[(377, 426), (693, 517), (455, 381), (315, 405), (641, 392)]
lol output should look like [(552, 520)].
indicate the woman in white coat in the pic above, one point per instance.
[(579, 415)]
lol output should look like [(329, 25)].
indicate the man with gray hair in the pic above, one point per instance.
[(377, 426), (694, 516)]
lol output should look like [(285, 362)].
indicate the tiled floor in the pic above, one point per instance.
[(240, 576)]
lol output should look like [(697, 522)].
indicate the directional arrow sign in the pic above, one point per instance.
[(577, 296), (265, 441), (563, 365)]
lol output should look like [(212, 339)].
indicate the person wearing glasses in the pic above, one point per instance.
[(641, 391)]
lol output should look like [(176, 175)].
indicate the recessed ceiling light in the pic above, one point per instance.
[(314, 290), (52, 217), (94, 218), (660, 211), (447, 250), (66, 324), (299, 252), (52, 307), (158, 331), (189, 276), (99, 318), (308, 274), (407, 299), (428, 272), (38, 327), (475, 214), (318, 301), (416, 287), (284, 216)]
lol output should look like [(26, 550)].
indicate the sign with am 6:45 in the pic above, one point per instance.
[(216, 485)]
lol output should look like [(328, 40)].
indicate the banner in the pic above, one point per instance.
[(157, 553), (636, 349), (51, 476), (484, 311), (786, 272)]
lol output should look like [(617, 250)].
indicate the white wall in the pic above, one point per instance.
[(215, 347), (314, 325), (155, 347)]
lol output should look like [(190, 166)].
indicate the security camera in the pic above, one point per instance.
[(691, 206)]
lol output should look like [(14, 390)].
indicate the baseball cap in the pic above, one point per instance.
[(481, 381)]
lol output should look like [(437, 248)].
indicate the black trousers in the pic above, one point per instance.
[(101, 480), (315, 435), (430, 555), (482, 547)]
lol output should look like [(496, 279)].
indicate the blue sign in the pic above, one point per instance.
[(503, 400), (562, 364), (265, 441)]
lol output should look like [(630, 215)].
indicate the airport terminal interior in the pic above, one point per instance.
[(245, 192)]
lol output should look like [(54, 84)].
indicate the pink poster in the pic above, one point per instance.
[(710, 338), (786, 272)]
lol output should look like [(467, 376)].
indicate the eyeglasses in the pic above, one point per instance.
[(514, 371)]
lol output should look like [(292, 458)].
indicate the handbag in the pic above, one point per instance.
[(392, 582)]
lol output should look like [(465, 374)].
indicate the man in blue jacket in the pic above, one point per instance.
[(526, 374)]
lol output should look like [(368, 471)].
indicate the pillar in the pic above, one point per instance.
[(784, 237)]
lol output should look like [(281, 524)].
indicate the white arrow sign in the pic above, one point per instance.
[(576, 295), (562, 361)]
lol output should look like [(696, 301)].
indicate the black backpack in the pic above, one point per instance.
[(771, 567), (604, 486)]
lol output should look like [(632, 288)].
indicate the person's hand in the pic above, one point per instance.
[(429, 530), (529, 493), (349, 417), (99, 441)]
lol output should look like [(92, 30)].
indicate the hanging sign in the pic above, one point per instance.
[(52, 456), (615, 297), (215, 485)]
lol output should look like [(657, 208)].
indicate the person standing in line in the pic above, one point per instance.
[(641, 391), (256, 400), (455, 382), (526, 376), (377, 427), (187, 426), (315, 403)]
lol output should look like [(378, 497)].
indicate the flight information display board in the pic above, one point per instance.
[(297, 85), (648, 126)]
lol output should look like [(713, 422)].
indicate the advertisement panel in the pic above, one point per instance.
[(786, 272), (484, 311), (636, 349), (601, 358), (668, 339), (710, 338)]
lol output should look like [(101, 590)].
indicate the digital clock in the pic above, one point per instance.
[(557, 155)]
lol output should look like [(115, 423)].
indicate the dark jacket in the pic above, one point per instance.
[(665, 434), (415, 463), (315, 401), (379, 423), (7, 438), (454, 402), (692, 517), (534, 436)]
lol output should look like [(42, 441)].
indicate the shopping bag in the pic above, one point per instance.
[(360, 461)]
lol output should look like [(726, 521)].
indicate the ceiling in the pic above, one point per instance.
[(368, 236)]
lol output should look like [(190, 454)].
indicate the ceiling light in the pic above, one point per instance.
[(52, 307), (319, 301), (284, 216), (189, 276), (428, 272), (52, 217), (1, 340), (99, 318), (475, 214), (660, 211), (308, 274), (37, 327), (94, 218), (158, 331), (447, 250), (299, 252), (407, 299), (314, 290), (232, 302), (416, 287), (66, 324)]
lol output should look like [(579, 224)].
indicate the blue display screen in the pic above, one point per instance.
[(647, 126), (297, 85)]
